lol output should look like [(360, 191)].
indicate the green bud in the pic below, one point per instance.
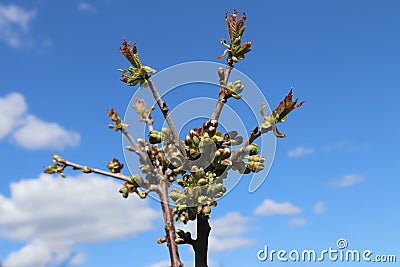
[(180, 240), (50, 170), (180, 218), (86, 169), (161, 240), (57, 158), (256, 158), (253, 149), (206, 210), (226, 162), (237, 87), (202, 181), (142, 194), (255, 166), (214, 123), (115, 166), (181, 208), (155, 137)]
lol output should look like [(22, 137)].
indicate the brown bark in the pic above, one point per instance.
[(169, 225)]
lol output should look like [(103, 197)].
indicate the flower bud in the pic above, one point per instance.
[(161, 240), (202, 181), (86, 169), (180, 240), (255, 166), (155, 137), (115, 166), (237, 87), (180, 218), (142, 194), (214, 123), (256, 158), (206, 210), (253, 149)]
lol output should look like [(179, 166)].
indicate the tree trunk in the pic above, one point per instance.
[(200, 246)]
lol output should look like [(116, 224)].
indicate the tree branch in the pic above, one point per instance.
[(165, 111), (76, 166), (223, 81), (170, 232)]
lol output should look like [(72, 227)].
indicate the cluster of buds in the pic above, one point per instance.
[(236, 29), (200, 189), (115, 166), (255, 162), (132, 187), (136, 74), (114, 117), (57, 167), (279, 114)]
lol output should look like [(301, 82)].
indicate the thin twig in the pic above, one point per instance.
[(165, 111), (119, 176), (222, 97), (135, 148)]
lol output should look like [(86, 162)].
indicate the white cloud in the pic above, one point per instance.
[(160, 264), (37, 134), (349, 180), (297, 222), (35, 254), (227, 232), (319, 207), (300, 151), (12, 108), (29, 131), (85, 7), (270, 207), (14, 24), (51, 216)]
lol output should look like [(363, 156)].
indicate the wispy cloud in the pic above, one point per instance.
[(300, 151), (349, 180), (14, 24), (319, 207), (270, 207), (86, 7), (51, 217), (27, 130), (296, 222)]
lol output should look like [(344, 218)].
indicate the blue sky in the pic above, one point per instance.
[(334, 176)]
